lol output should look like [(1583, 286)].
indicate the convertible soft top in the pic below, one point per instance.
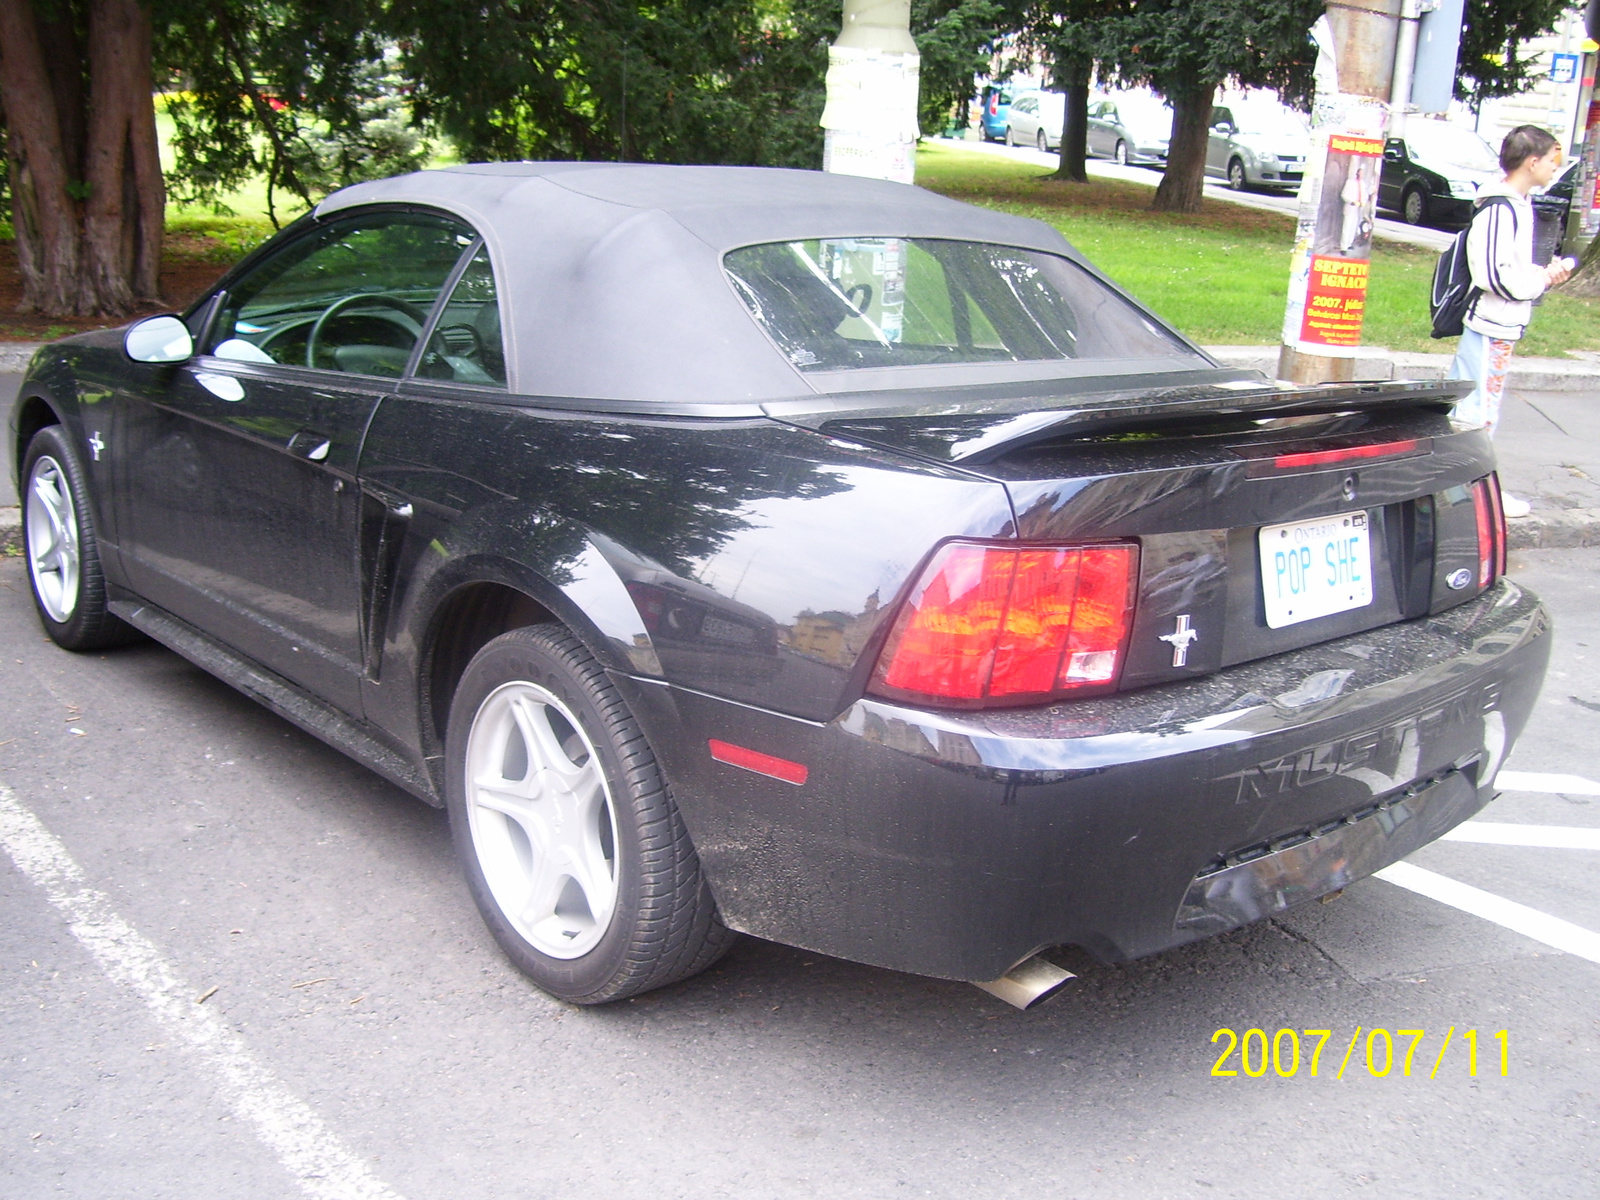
[(610, 274)]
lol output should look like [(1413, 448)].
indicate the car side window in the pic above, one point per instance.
[(466, 346), (352, 296)]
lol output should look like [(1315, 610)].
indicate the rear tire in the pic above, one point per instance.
[(1414, 206), (570, 841), (58, 540)]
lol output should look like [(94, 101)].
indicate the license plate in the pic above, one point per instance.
[(1311, 569)]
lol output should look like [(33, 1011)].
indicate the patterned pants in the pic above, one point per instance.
[(1485, 361)]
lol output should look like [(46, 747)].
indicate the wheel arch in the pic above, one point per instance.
[(34, 411), (485, 596)]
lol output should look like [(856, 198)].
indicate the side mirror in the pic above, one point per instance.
[(159, 340)]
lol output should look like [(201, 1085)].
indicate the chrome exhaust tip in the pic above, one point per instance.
[(1028, 984)]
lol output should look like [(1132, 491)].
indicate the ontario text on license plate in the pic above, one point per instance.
[(1310, 569)]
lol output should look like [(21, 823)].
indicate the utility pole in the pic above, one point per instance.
[(870, 117), (1357, 40)]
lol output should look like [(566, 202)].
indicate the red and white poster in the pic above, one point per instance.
[(1333, 244)]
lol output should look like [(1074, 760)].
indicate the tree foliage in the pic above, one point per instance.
[(956, 39), (1491, 38)]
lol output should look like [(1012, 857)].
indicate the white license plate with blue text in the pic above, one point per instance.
[(1310, 569)]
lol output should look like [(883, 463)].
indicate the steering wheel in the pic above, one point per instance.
[(864, 291), (344, 302)]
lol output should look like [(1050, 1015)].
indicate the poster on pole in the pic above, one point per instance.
[(1331, 260)]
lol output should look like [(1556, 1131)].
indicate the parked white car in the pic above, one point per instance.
[(1036, 119)]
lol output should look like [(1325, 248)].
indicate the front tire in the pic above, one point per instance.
[(1414, 206), (1011, 139), (572, 846), (58, 540), (1042, 142), (1120, 154), (1236, 179)]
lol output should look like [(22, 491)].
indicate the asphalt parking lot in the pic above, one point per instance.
[(360, 1036)]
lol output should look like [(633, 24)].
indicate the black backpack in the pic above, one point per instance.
[(1452, 280)]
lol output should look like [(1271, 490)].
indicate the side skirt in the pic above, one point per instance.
[(292, 703)]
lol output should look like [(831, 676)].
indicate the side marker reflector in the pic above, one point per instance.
[(761, 764)]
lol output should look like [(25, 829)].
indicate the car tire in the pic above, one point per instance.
[(1042, 142), (1414, 206), (1236, 179), (1120, 154), (569, 838), (62, 552), (1010, 139)]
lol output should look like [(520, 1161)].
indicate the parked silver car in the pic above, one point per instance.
[(1258, 146), (1130, 127), (1035, 119)]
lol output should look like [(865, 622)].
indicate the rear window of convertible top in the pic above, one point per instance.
[(837, 303)]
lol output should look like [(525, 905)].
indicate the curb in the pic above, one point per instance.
[(1527, 374), (10, 531), (1561, 529), (14, 356)]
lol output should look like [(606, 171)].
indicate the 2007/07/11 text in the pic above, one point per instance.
[(1282, 1051)]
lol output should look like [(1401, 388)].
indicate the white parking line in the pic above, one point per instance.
[(308, 1150), (1530, 922), (1553, 837), (1535, 781)]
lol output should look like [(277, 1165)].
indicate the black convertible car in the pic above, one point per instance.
[(768, 551)]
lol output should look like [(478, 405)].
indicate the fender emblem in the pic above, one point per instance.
[(1459, 579), (1180, 639)]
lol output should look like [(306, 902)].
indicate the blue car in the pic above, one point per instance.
[(994, 109)]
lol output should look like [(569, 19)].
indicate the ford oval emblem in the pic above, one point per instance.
[(1459, 579)]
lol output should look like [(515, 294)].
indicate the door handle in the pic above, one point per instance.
[(308, 443)]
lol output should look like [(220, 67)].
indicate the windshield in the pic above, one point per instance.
[(836, 303), (1450, 146), (1145, 115), (1271, 123)]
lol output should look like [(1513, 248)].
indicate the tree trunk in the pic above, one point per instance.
[(1072, 77), (1075, 136), (1585, 280), (87, 195), (1180, 189), (44, 213)]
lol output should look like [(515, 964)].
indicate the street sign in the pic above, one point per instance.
[(1563, 68)]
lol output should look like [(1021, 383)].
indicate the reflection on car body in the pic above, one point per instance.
[(806, 556)]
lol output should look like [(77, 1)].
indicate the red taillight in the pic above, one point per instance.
[(1001, 623), (1491, 529), (1299, 461)]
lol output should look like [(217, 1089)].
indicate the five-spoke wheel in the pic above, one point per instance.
[(59, 542), (571, 842), (542, 824), (53, 539)]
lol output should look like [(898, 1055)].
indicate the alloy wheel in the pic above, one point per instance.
[(53, 553), (543, 826)]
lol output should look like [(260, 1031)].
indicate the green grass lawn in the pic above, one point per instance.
[(1221, 275)]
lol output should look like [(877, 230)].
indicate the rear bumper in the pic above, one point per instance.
[(957, 844)]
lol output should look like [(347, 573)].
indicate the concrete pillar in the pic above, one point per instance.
[(871, 114), (1355, 74)]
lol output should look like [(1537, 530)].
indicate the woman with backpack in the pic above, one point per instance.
[(1505, 279)]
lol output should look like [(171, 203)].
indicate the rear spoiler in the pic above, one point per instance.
[(972, 425)]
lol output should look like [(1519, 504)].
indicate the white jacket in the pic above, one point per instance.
[(1500, 257)]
